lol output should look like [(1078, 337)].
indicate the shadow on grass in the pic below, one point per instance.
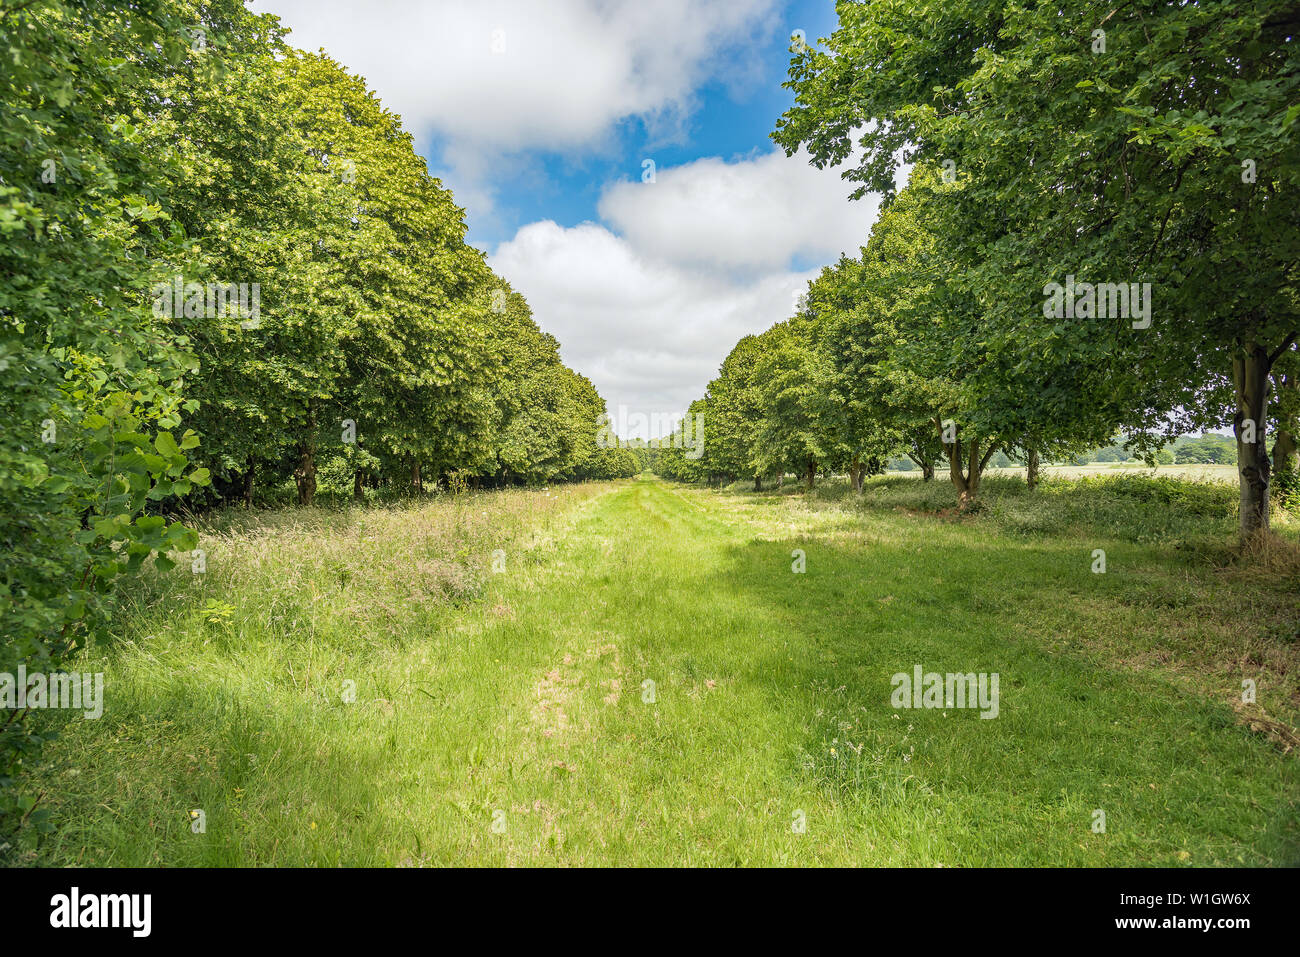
[(1079, 728)]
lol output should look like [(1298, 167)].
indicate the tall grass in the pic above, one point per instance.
[(1131, 507), (648, 681)]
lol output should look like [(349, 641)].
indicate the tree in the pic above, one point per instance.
[(919, 331), (417, 361), (861, 415), (259, 210), (797, 428), (91, 383), (1286, 447), (732, 404), (1160, 151), (531, 440)]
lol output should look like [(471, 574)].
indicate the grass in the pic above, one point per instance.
[(508, 718)]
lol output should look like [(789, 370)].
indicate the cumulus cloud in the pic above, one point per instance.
[(649, 334), (512, 75), (496, 81), (696, 260), (756, 214)]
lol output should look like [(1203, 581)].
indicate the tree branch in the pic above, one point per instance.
[(1286, 344)]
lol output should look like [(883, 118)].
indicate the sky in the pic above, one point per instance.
[(542, 117)]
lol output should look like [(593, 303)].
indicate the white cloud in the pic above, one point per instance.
[(705, 256), (511, 75), (759, 213), (496, 79), (649, 334)]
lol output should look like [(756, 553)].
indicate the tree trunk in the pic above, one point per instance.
[(1286, 454), (1286, 460), (1250, 378), (1031, 469), (959, 480), (356, 486), (855, 473), (1286, 451), (305, 473), (416, 482), (812, 473), (248, 483), (780, 482), (967, 482), (921, 460), (758, 483)]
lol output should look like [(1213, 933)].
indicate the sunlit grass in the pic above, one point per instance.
[(649, 682)]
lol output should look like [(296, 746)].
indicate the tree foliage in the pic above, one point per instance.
[(1149, 143), (223, 262)]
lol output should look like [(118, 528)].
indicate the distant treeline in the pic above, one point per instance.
[(1210, 448)]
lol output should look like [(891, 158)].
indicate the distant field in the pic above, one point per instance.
[(1191, 473)]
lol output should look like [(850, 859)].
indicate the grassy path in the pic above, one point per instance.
[(520, 730)]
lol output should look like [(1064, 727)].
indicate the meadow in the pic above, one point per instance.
[(636, 673)]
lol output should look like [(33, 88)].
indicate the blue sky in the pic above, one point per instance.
[(732, 119), (538, 116)]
